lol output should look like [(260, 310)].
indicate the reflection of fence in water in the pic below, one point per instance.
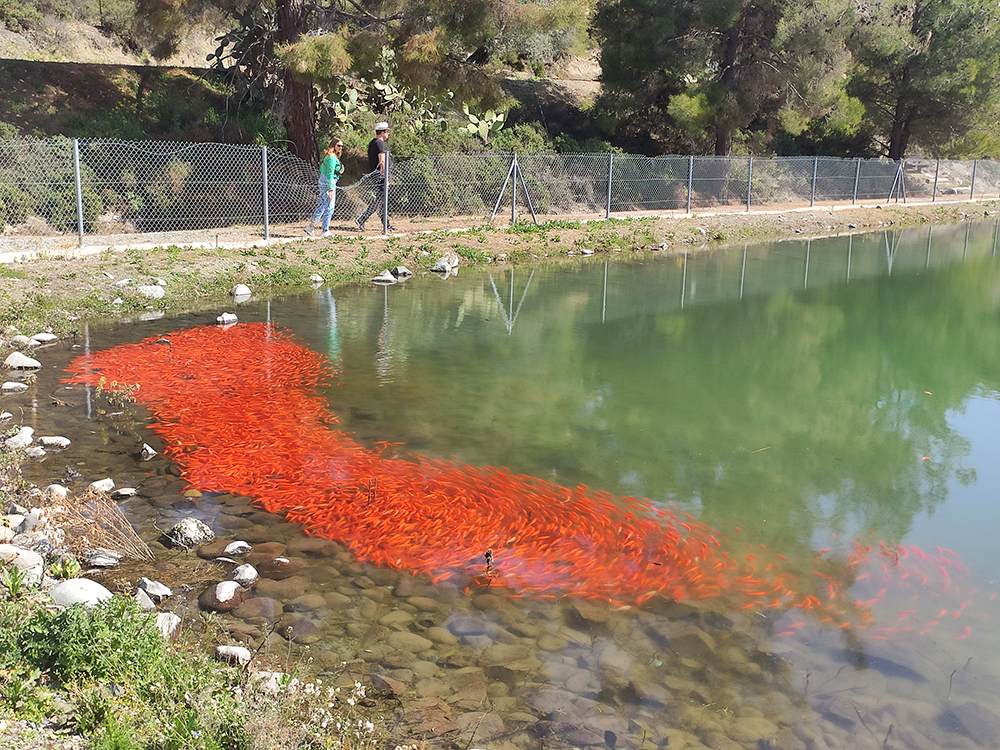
[(104, 187)]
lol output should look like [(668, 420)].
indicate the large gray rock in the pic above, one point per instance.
[(31, 563), (19, 361), (21, 440), (190, 532), (79, 591), (223, 597)]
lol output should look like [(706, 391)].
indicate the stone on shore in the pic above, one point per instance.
[(79, 591)]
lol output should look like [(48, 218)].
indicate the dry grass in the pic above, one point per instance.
[(94, 521)]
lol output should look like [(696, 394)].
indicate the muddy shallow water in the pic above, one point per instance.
[(810, 394)]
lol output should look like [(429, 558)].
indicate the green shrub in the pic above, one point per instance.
[(18, 16), (15, 204)]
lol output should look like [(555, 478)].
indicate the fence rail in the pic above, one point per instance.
[(94, 189)]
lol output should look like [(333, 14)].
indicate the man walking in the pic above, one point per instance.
[(378, 154)]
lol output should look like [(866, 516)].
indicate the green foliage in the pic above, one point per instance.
[(925, 70), (116, 639), (15, 204), (18, 16), (697, 74), (481, 123)]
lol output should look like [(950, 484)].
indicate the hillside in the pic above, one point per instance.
[(76, 80)]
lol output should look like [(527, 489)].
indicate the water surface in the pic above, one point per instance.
[(794, 396)]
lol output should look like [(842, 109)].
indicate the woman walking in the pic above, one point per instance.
[(330, 169)]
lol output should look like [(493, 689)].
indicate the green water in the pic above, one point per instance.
[(780, 388), (804, 392)]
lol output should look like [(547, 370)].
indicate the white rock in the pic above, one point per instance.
[(190, 532), (227, 319), (442, 266), (56, 492), (20, 340), (168, 623), (44, 337), (5, 415), (385, 277), (123, 283), (101, 557), (237, 548), (240, 290), (102, 485), (147, 452), (153, 292), (316, 278), (586, 251), (227, 590), (158, 281), (245, 575), (143, 599), (79, 591), (15, 521), (6, 534), (18, 361), (121, 493), (117, 301), (21, 440), (55, 442), (401, 272), (156, 590), (233, 654), (35, 451), (13, 387)]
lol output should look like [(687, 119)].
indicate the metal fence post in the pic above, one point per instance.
[(857, 178), (749, 180), (937, 171), (79, 190), (611, 157), (690, 176), (267, 220), (385, 195), (972, 187), (513, 193), (812, 196)]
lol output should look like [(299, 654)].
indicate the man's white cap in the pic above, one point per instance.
[(381, 126)]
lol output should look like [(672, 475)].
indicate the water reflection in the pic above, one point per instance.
[(793, 390)]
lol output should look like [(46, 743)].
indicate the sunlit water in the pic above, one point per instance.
[(798, 396)]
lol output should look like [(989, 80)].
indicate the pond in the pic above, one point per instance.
[(732, 498)]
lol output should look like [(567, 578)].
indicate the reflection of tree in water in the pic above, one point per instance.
[(795, 413)]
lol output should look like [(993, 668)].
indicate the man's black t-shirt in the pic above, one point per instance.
[(376, 147)]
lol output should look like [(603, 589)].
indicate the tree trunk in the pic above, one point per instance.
[(902, 116), (299, 119), (730, 80), (298, 112)]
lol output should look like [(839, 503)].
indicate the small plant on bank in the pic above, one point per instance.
[(65, 568), (14, 581)]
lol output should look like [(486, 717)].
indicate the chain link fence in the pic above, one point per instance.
[(96, 191)]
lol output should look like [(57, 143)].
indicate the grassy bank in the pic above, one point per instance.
[(58, 292)]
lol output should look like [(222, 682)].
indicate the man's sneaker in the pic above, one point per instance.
[(327, 233), (309, 230), (361, 224)]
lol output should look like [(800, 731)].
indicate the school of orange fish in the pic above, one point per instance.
[(239, 412)]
